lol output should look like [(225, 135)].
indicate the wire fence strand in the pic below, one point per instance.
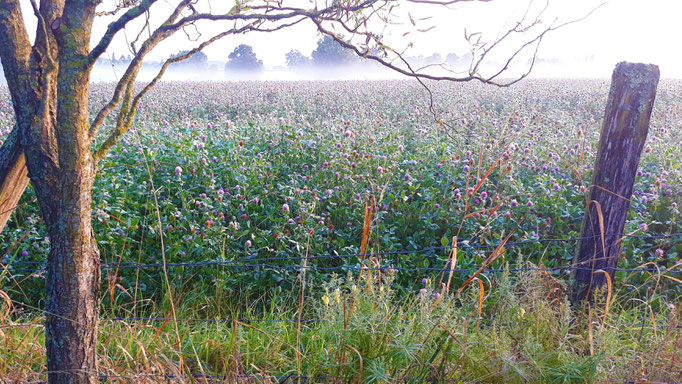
[(252, 261)]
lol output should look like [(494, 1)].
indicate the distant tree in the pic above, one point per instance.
[(296, 59), (433, 59), (330, 52), (198, 60), (452, 59), (243, 58), (123, 59)]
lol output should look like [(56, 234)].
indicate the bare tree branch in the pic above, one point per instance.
[(275, 14), (139, 34), (119, 6), (389, 64), (115, 27)]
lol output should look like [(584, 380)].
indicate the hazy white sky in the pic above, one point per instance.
[(632, 30)]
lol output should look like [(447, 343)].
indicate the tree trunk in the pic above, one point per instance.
[(73, 292), (624, 131), (13, 176)]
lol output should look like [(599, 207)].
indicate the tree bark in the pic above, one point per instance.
[(624, 131), (13, 177), (73, 292)]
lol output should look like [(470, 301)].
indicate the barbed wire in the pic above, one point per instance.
[(258, 262), (146, 320), (387, 268), (321, 320)]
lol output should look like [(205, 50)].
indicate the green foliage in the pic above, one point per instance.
[(295, 59), (330, 53), (243, 58)]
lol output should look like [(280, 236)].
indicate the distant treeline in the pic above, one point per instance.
[(328, 53)]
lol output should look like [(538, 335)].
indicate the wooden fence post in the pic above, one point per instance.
[(624, 131)]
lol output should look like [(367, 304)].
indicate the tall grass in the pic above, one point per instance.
[(512, 329)]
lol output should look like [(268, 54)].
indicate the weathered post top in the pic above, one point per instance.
[(637, 74), (631, 97), (623, 134)]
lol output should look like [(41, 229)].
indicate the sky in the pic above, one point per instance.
[(620, 30)]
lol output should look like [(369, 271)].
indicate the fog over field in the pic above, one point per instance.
[(370, 71)]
